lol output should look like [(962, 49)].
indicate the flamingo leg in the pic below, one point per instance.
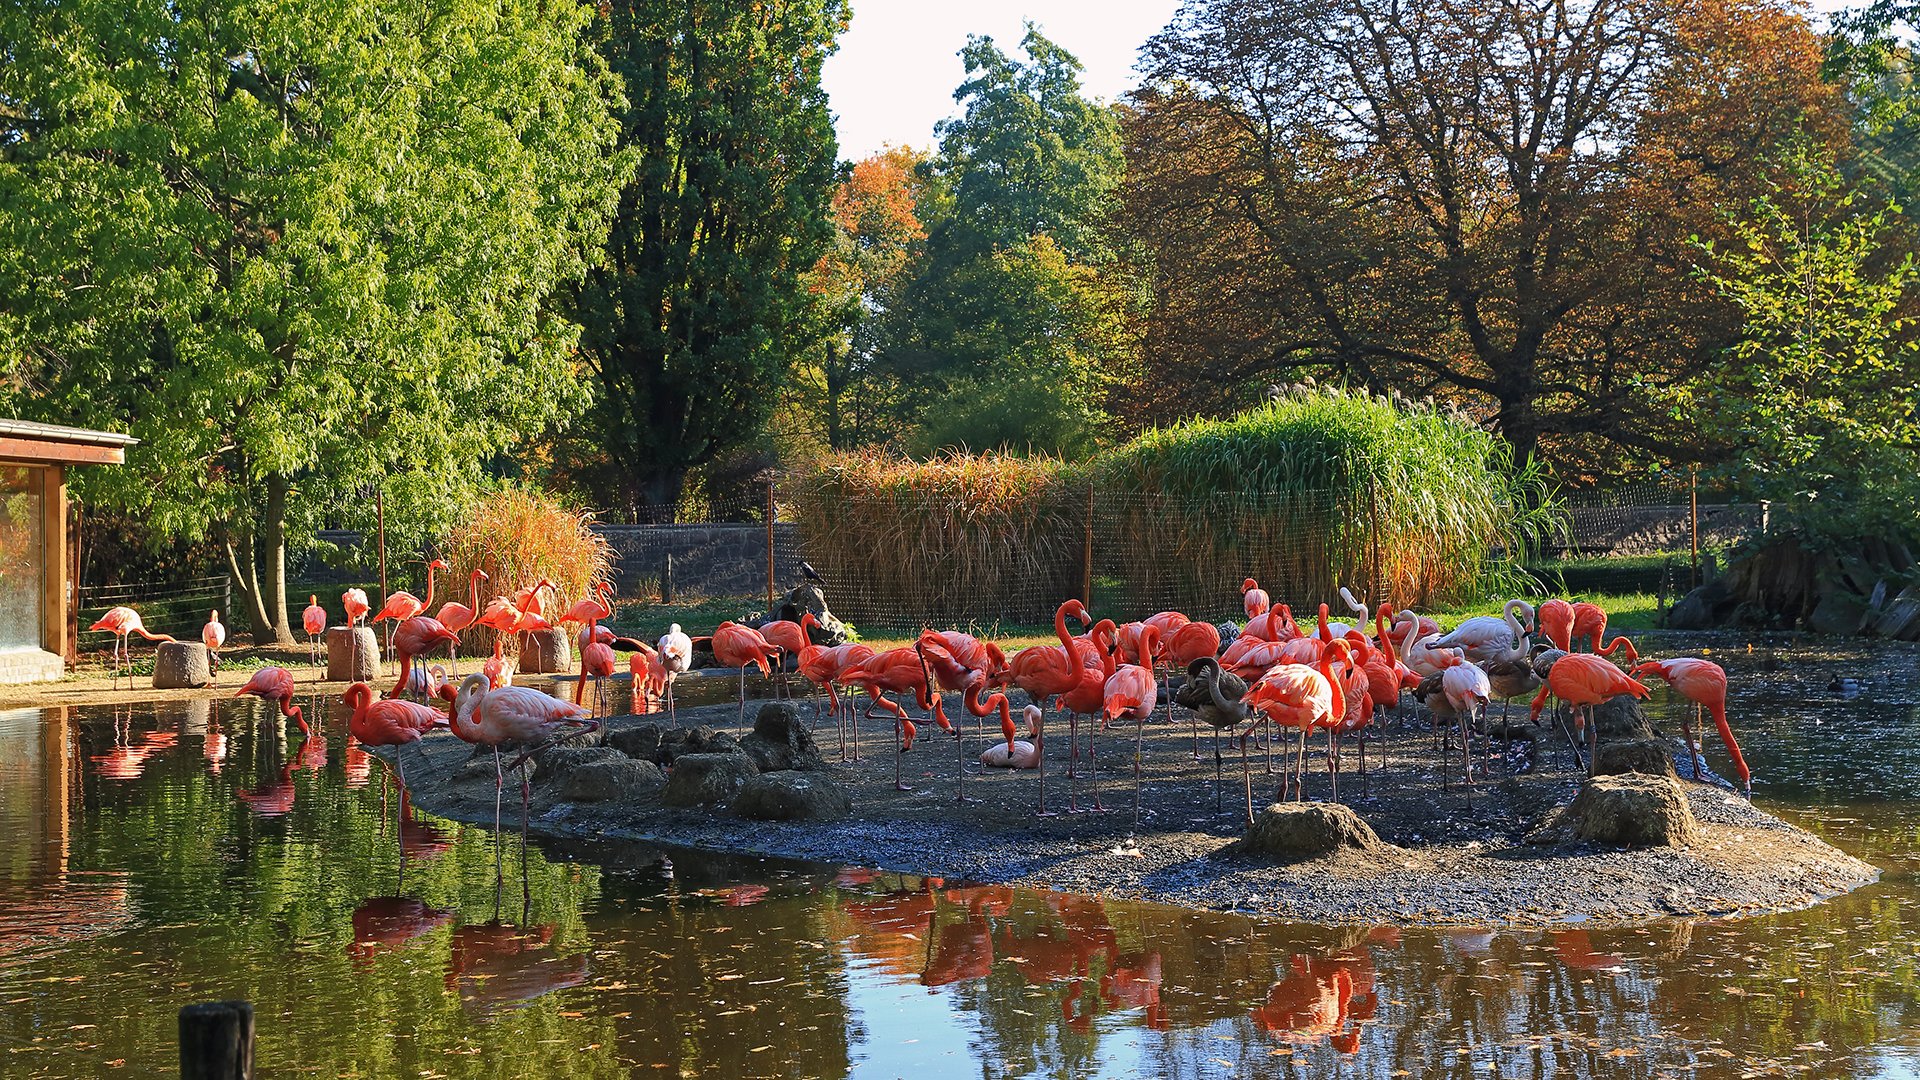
[(1333, 768), (1139, 741), (1593, 743), (1073, 762), (1218, 781), (1040, 763), (1246, 772), (1693, 755), (1093, 766), (742, 723)]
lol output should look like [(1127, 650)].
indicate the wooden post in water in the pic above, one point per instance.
[(216, 1041), (770, 547), (1086, 555), (1693, 522)]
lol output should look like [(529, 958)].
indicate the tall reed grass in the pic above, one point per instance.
[(518, 536), (1316, 490)]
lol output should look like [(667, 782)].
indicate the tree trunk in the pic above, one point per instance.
[(243, 569), (663, 487), (274, 554), (836, 379)]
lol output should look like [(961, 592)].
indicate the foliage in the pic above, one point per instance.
[(1000, 337), (1307, 493), (302, 251), (1317, 489), (1487, 202), (1821, 385), (518, 536), (705, 301)]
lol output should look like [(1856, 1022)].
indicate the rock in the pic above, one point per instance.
[(1631, 810), (1646, 756), (560, 762), (620, 777), (544, 651), (662, 745), (353, 654), (1837, 612), (807, 597), (1705, 608), (1305, 830), (792, 796), (178, 665), (707, 779), (780, 741), (1620, 720)]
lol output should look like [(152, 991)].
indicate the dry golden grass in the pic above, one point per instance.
[(518, 536)]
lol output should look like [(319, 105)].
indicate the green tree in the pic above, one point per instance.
[(1823, 383), (300, 250), (1000, 338), (704, 302)]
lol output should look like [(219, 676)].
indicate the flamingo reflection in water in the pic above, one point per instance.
[(274, 796), (384, 924), (495, 966), (128, 759), (1321, 997)]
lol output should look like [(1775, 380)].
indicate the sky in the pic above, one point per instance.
[(899, 61)]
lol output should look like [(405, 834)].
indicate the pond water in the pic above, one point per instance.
[(156, 855)]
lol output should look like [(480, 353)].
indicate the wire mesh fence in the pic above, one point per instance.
[(177, 608)]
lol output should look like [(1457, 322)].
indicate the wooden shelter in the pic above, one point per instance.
[(36, 590)]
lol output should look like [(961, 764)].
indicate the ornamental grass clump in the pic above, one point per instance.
[(518, 536), (951, 537)]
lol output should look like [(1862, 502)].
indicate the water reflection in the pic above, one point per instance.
[(138, 873)]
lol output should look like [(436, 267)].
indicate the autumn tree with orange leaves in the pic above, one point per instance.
[(1490, 202)]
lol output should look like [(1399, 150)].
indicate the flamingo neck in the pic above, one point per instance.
[(1386, 639), (473, 592), (1060, 628), (428, 602), (1333, 681)]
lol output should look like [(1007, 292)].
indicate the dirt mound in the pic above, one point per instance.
[(1307, 830)]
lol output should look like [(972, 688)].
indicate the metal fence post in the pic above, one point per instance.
[(770, 512), (1693, 524)]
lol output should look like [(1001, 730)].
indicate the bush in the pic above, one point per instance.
[(518, 536)]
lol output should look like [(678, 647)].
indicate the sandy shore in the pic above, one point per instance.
[(1451, 857)]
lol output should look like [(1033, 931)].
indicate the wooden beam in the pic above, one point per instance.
[(14, 448)]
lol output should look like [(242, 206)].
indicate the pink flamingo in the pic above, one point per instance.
[(1020, 753), (402, 605), (1584, 679), (457, 616), (1705, 684), (1589, 624), (1556, 623), (1130, 693), (739, 646), (513, 716), (676, 655), (1302, 697), (213, 635), (1088, 698), (355, 603), (833, 666), (415, 636), (314, 621), (649, 674), (898, 671), (1254, 598), (788, 638), (121, 622), (275, 684), (389, 722), (596, 663)]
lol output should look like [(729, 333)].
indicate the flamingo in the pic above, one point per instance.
[(1589, 624), (416, 635), (898, 671), (1705, 684), (1465, 686), (1512, 678), (676, 654), (355, 603), (1583, 679), (388, 722), (738, 646), (275, 684), (314, 621), (457, 616), (1249, 657), (1021, 753), (528, 598), (1298, 696), (213, 635), (788, 637), (1088, 698), (513, 716), (402, 605), (425, 683), (1409, 627), (1047, 671), (649, 673), (596, 663), (828, 666), (1130, 693), (591, 609), (1254, 598), (1556, 623), (1214, 696), (1619, 642), (121, 622), (1486, 637), (1276, 625), (1186, 643), (971, 701)]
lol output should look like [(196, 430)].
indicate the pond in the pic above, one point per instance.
[(156, 855)]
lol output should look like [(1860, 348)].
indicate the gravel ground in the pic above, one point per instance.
[(1452, 856)]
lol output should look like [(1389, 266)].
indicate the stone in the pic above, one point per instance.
[(1837, 612), (707, 779), (557, 763), (1632, 810), (663, 745), (779, 740), (179, 665), (620, 777), (809, 597), (1306, 830), (353, 654), (545, 651), (1621, 720), (792, 796), (1646, 756), (1705, 608)]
